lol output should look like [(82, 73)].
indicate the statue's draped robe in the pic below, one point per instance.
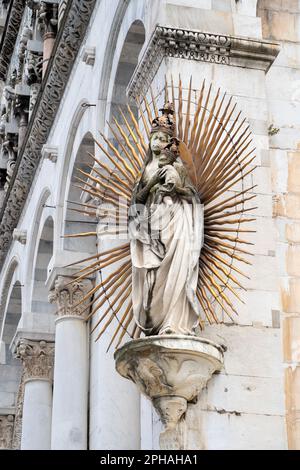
[(166, 240)]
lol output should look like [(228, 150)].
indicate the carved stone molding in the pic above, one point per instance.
[(20, 236), (37, 358), (200, 46), (68, 42), (10, 35), (6, 431), (68, 294)]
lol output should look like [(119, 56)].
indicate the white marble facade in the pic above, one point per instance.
[(244, 407)]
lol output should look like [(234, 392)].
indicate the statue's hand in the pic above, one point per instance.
[(157, 177)]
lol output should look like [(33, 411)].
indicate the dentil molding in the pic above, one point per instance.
[(199, 46)]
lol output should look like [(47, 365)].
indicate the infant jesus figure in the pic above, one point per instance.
[(173, 176)]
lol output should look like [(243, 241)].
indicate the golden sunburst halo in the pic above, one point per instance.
[(216, 149)]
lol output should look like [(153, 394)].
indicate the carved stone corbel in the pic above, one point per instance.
[(171, 370)]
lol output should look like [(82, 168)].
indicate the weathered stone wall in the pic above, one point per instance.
[(280, 21)]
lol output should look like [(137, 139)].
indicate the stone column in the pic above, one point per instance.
[(48, 19), (37, 359), (70, 393)]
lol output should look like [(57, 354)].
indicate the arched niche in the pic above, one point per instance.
[(128, 61), (10, 367), (39, 301), (76, 221)]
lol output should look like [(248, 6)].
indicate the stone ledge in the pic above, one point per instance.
[(200, 46)]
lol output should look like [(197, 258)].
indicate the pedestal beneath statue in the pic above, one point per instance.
[(171, 370)]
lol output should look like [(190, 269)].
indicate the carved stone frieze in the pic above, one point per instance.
[(6, 431), (37, 358), (68, 294), (199, 46), (9, 40), (70, 36)]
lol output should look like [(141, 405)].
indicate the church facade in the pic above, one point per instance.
[(67, 67)]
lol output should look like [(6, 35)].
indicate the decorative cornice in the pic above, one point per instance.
[(68, 294), (200, 46), (37, 358), (12, 27), (6, 431), (69, 40)]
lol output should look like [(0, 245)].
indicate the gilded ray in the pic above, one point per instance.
[(216, 149)]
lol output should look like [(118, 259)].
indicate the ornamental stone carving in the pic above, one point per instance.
[(6, 431), (75, 23), (37, 358), (171, 370), (48, 16), (196, 45), (69, 295), (10, 36)]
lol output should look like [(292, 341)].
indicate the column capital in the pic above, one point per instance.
[(6, 431), (69, 293), (37, 358)]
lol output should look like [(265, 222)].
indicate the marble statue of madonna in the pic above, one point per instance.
[(166, 236)]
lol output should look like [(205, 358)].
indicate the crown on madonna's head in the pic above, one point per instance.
[(165, 122)]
